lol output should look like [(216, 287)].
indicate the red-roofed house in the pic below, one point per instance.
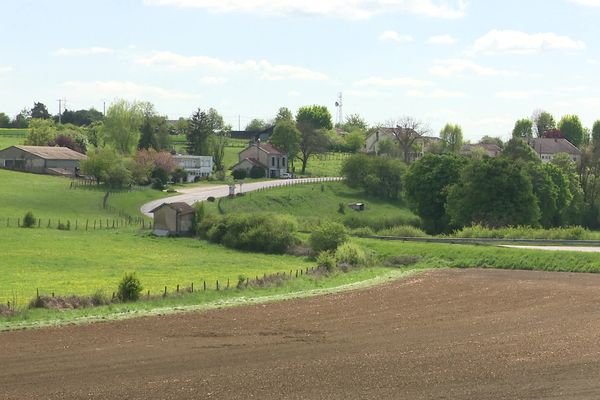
[(263, 155)]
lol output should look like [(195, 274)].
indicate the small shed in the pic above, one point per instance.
[(173, 219), (357, 206)]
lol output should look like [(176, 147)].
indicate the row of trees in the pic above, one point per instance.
[(40, 111)]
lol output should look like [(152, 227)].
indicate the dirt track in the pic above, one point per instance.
[(453, 334)]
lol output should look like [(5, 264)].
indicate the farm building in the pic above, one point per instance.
[(547, 148), (173, 219), (42, 159), (263, 155)]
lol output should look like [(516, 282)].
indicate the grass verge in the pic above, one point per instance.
[(296, 288)]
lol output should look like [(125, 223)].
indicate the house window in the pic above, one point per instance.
[(283, 162), (272, 161)]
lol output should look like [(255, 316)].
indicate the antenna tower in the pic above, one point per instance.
[(338, 105)]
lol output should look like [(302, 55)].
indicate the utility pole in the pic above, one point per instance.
[(60, 103), (239, 122)]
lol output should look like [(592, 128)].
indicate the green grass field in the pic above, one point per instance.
[(11, 137), (311, 205), (79, 262), (50, 197)]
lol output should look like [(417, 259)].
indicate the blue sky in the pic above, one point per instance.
[(481, 64)]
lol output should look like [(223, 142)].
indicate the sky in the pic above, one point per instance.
[(481, 64)]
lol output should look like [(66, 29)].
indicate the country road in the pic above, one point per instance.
[(201, 193)]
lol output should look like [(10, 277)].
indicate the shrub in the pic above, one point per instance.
[(130, 288), (401, 261), (64, 227), (157, 184), (365, 231), (239, 174), (268, 233), (525, 232), (210, 199), (350, 253), (403, 231), (341, 208), (326, 259), (257, 172), (28, 220), (380, 222), (328, 237), (180, 175)]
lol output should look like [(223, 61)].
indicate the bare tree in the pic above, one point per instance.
[(406, 131)]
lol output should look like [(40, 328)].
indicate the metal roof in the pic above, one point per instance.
[(52, 153)]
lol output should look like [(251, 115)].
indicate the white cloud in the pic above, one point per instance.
[(517, 42), (383, 82), (212, 80), (265, 69), (125, 89), (452, 67), (364, 93), (442, 39), (83, 51), (350, 9), (589, 3), (5, 69), (436, 94), (518, 94), (393, 36)]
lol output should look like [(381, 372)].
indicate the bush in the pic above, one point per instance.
[(180, 175), (257, 172), (365, 231), (342, 208), (267, 233), (403, 231), (380, 222), (239, 174), (210, 199), (28, 220), (350, 253), (525, 232), (326, 259), (328, 237), (64, 227), (157, 184), (130, 288)]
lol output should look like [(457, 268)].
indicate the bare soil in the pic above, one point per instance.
[(445, 334)]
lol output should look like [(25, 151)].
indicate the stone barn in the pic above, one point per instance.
[(42, 159), (173, 219)]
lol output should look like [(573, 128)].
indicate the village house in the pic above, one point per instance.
[(197, 167), (42, 159), (547, 148), (373, 142), (173, 219), (488, 149), (263, 155)]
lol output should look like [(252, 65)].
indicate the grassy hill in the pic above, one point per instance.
[(50, 197), (314, 203)]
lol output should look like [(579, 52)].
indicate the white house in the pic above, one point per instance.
[(547, 148), (195, 166), (263, 155)]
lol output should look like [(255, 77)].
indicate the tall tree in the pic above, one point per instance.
[(523, 129), (39, 110), (492, 140), (572, 129), (426, 187), (21, 120), (452, 138), (287, 138), (256, 125), (283, 114), (353, 122), (4, 120), (516, 149), (122, 125), (494, 192), (203, 125), (312, 122), (596, 134), (41, 132), (148, 138), (542, 121), (406, 132)]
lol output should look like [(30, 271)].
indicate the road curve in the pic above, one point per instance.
[(201, 193)]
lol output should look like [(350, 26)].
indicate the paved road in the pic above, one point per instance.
[(201, 193), (558, 248)]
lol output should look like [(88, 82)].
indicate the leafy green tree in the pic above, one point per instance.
[(596, 134), (517, 149), (95, 133), (406, 131), (573, 213), (80, 117), (4, 120), (287, 138), (256, 125), (122, 125), (180, 127), (354, 122), (378, 176), (564, 197), (316, 117), (106, 165), (545, 191), (41, 132), (283, 114), (40, 111), (493, 192), (355, 141), (203, 125), (523, 129), (217, 146), (21, 120), (571, 127), (426, 186), (542, 121), (452, 138), (148, 139)]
